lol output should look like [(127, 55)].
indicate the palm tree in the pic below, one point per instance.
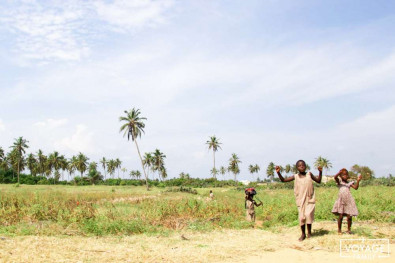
[(234, 165), (158, 163), (111, 167), (323, 162), (71, 166), (20, 146), (214, 172), (32, 164), (133, 127), (270, 170), (148, 161), (81, 163), (118, 164), (288, 168), (55, 162), (124, 170), (41, 162), (222, 170), (213, 144), (103, 162)]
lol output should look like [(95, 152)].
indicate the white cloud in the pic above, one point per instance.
[(51, 123), (81, 141), (2, 126), (132, 14)]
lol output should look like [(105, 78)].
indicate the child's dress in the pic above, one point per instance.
[(305, 198), (250, 210), (345, 203)]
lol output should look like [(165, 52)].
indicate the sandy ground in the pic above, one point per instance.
[(254, 245)]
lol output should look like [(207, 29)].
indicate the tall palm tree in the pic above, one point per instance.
[(134, 125), (159, 163), (222, 170), (55, 163), (270, 170), (234, 162), (81, 163), (118, 164), (20, 146), (31, 164), (257, 168), (288, 168), (72, 166), (124, 170), (41, 162), (323, 162), (111, 168), (148, 161), (103, 162), (213, 144), (214, 172)]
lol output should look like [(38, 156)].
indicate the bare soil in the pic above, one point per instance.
[(253, 245)]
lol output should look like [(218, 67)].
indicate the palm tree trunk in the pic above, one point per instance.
[(18, 172), (142, 164), (214, 166)]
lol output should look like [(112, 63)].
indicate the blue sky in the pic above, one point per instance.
[(273, 80)]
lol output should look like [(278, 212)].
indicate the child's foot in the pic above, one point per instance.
[(340, 233), (308, 235), (349, 232), (302, 237)]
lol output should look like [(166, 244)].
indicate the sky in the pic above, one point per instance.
[(273, 80)]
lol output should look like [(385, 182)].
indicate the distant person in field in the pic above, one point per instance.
[(250, 204), (211, 195), (304, 195), (345, 204)]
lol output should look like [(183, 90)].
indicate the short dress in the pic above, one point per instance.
[(305, 198), (345, 203), (250, 210)]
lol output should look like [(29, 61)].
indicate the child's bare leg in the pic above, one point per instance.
[(349, 223), (303, 236), (309, 230), (339, 224)]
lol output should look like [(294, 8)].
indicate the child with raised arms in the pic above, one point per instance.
[(304, 195), (345, 204)]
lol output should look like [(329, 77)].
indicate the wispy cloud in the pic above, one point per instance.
[(57, 30)]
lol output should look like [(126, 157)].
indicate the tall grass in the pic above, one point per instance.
[(103, 210)]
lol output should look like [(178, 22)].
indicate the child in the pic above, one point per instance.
[(345, 204), (211, 196), (250, 204), (304, 195)]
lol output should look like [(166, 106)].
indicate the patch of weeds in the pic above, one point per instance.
[(363, 231)]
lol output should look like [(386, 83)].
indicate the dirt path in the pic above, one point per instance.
[(220, 246)]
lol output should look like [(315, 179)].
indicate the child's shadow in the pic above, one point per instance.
[(320, 232)]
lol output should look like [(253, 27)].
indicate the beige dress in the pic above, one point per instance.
[(305, 198), (345, 203), (250, 211)]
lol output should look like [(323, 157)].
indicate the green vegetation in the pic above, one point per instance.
[(103, 210)]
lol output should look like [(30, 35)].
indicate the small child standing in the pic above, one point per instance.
[(211, 196), (345, 204), (304, 195), (250, 204)]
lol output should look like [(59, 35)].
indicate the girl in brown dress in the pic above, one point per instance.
[(345, 204), (304, 195), (250, 204)]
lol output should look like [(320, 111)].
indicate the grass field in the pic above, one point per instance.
[(125, 210)]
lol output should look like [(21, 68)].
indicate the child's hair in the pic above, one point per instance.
[(250, 191), (344, 170), (300, 161)]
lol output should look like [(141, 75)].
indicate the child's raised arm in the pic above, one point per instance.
[(356, 186), (288, 179), (317, 179)]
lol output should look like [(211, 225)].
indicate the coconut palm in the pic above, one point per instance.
[(323, 162), (214, 172), (233, 167), (222, 170), (270, 170), (124, 170), (103, 162), (55, 163), (41, 162), (31, 164), (71, 166), (111, 168), (133, 127), (81, 163), (148, 161), (158, 163), (20, 146), (213, 144), (118, 164), (288, 168)]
